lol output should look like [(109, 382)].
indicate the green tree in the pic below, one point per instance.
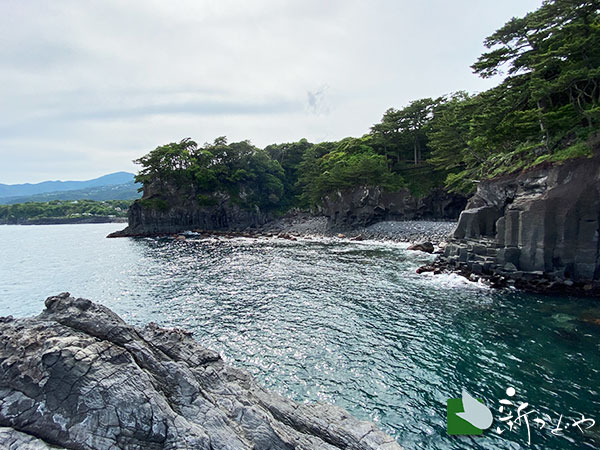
[(555, 51), (401, 133)]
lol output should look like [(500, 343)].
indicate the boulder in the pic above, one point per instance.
[(426, 247), (77, 376)]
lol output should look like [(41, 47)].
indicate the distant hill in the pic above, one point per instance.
[(125, 191), (28, 189)]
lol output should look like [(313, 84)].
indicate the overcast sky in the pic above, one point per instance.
[(87, 86)]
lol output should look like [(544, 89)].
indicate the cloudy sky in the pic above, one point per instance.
[(87, 86)]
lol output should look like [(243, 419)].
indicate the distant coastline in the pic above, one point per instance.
[(65, 220)]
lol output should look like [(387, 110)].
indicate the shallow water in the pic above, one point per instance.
[(349, 323)]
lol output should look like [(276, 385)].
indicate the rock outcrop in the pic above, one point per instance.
[(167, 208), (540, 228), (364, 206), (77, 376)]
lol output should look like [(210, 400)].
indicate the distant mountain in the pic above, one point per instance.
[(28, 189), (125, 191)]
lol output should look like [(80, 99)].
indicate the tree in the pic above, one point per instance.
[(402, 132), (290, 156), (555, 50)]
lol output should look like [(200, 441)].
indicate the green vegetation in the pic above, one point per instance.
[(62, 209), (546, 110)]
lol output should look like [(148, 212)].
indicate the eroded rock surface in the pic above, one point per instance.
[(169, 208), (77, 376), (540, 228), (366, 205)]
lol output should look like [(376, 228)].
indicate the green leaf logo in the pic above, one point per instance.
[(467, 415)]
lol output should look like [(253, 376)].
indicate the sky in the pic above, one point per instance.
[(88, 86)]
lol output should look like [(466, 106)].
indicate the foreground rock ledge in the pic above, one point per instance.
[(77, 376)]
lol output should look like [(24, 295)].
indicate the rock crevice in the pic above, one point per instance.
[(365, 205), (542, 225), (79, 377)]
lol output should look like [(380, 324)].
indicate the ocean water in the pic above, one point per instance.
[(349, 323)]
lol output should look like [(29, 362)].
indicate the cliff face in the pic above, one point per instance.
[(79, 377), (166, 208), (543, 223), (364, 206)]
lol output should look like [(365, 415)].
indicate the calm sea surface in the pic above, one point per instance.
[(348, 323)]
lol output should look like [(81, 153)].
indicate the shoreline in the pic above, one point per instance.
[(179, 394), (304, 225), (67, 220), (529, 282)]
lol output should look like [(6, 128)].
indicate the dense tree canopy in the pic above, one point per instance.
[(243, 171), (545, 109)]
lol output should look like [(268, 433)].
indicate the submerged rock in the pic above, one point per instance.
[(79, 377)]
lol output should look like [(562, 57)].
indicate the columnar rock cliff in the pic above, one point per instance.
[(79, 377), (542, 224), (167, 208), (364, 206)]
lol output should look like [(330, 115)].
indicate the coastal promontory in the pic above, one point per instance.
[(77, 376)]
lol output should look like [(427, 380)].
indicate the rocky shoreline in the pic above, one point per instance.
[(534, 283), (77, 376), (304, 225), (429, 236), (538, 230)]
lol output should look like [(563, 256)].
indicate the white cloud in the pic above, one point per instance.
[(88, 86)]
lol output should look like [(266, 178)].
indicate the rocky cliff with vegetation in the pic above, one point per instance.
[(414, 163), (365, 205), (539, 228), (77, 376)]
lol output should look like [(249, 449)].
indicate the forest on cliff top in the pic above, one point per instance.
[(546, 110)]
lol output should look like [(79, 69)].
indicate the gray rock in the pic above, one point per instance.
[(477, 268), (11, 439), (169, 208), (426, 247), (78, 376), (543, 220), (366, 205)]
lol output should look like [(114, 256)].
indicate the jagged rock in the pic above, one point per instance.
[(366, 205), (426, 268), (423, 247), (542, 224), (11, 439), (167, 208), (78, 376)]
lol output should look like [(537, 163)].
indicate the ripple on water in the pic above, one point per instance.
[(346, 322)]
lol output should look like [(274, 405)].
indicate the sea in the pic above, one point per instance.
[(342, 322)]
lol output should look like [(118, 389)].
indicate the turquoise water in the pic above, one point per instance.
[(349, 323)]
